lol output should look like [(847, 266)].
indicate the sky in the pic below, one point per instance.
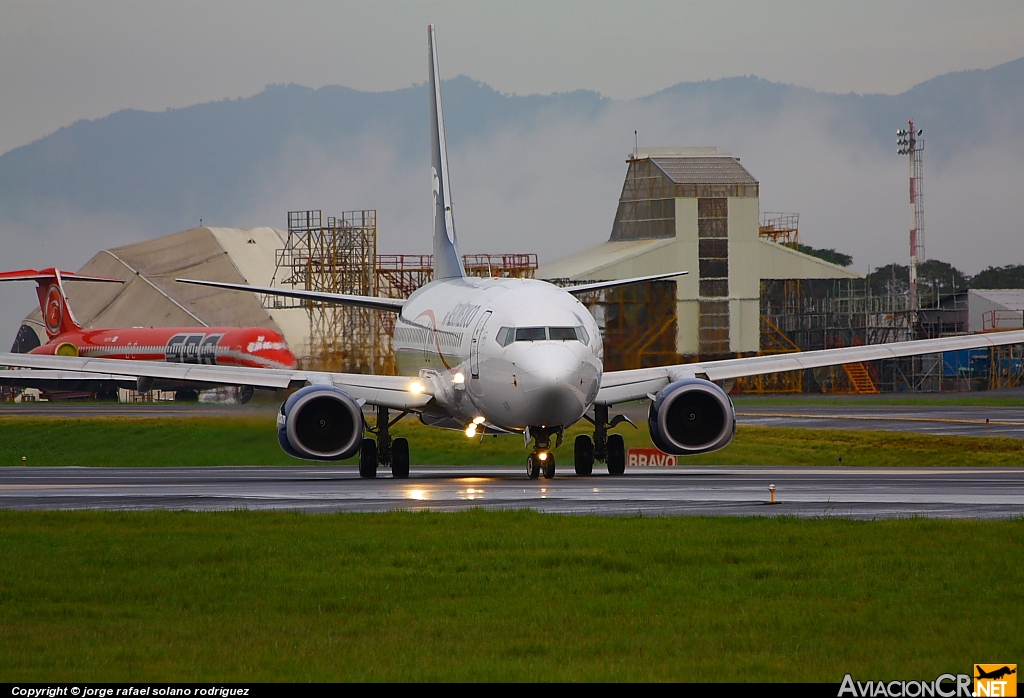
[(62, 61)]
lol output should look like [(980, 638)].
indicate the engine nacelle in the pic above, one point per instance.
[(320, 422), (691, 416)]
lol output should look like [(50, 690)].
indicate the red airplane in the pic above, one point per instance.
[(223, 346)]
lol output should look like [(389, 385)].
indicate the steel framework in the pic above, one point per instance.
[(783, 228), (338, 256)]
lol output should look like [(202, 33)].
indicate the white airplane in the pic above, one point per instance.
[(517, 356)]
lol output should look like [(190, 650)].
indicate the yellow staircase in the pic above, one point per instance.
[(860, 378)]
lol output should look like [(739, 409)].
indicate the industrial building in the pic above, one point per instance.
[(698, 210), (995, 309)]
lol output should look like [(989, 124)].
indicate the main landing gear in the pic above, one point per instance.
[(384, 451), (604, 447), (542, 460)]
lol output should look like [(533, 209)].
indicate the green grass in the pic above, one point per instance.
[(253, 441), (173, 596)]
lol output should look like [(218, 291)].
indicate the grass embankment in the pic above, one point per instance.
[(253, 441), (175, 596), (886, 399)]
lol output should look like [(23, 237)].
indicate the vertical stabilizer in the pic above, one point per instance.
[(447, 262), (53, 301)]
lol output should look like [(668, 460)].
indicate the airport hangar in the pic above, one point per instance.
[(152, 298), (681, 209), (698, 210)]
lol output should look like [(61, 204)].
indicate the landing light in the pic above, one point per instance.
[(471, 430), (479, 420), (416, 388), (542, 455), (458, 379)]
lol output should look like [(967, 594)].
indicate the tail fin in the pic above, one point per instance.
[(53, 301), (447, 262)]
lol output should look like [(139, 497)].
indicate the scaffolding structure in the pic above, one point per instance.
[(829, 314), (782, 228), (1006, 366), (336, 256)]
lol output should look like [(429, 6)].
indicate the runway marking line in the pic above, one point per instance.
[(4, 488), (995, 422)]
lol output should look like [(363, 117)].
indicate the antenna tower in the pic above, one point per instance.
[(910, 144)]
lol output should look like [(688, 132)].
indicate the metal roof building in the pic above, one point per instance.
[(698, 210), (152, 297), (995, 309)]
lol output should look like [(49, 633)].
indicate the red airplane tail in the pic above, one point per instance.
[(53, 301)]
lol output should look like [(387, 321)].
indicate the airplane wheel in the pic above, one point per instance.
[(368, 459), (583, 455), (400, 458), (549, 466), (616, 455), (186, 396), (532, 466)]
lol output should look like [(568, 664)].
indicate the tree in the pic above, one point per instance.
[(828, 254), (1011, 276), (892, 278), (935, 279)]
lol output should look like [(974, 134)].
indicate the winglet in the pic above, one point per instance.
[(447, 262)]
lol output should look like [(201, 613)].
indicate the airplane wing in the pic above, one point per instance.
[(73, 381), (393, 305), (623, 386), (598, 285), (396, 392)]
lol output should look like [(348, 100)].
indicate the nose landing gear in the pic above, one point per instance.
[(384, 450), (542, 460)]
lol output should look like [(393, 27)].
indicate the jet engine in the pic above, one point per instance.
[(691, 416), (320, 422)]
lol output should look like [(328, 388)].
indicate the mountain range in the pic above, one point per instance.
[(529, 173)]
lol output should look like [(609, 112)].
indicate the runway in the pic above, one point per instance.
[(860, 493)]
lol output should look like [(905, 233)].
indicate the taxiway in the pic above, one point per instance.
[(950, 420)]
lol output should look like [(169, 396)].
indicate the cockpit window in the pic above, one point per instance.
[(507, 335), (530, 334), (562, 333)]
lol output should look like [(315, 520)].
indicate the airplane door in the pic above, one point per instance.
[(474, 348)]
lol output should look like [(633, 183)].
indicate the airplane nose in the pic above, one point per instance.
[(550, 377)]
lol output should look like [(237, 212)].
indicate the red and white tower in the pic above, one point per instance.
[(909, 142)]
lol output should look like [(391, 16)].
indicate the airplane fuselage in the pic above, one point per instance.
[(223, 346), (518, 353)]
